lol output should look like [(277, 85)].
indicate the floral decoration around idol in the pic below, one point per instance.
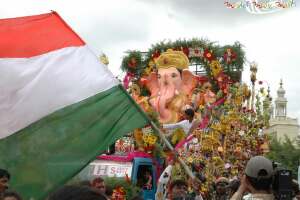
[(229, 130)]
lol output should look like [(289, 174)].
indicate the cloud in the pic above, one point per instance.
[(118, 25)]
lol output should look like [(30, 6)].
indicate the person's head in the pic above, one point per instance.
[(178, 188), (99, 184), (189, 113), (4, 178), (76, 193), (259, 172), (221, 185), (10, 195)]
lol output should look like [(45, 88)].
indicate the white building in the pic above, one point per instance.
[(280, 124)]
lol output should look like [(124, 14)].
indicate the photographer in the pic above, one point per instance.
[(257, 180)]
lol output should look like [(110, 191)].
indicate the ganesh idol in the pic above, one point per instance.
[(171, 86)]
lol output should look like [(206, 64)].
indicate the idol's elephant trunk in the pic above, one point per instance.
[(167, 93)]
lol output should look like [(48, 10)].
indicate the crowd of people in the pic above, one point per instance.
[(255, 184), (85, 190)]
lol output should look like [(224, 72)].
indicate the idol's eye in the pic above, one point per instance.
[(158, 76), (174, 75)]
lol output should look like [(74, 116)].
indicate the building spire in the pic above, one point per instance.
[(280, 103)]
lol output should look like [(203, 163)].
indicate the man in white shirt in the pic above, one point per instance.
[(188, 124)]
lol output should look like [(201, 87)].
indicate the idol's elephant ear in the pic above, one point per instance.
[(189, 82), (152, 84)]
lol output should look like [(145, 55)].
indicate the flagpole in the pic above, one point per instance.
[(165, 140)]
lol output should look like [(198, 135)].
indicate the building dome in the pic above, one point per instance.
[(280, 94), (281, 125), (281, 91)]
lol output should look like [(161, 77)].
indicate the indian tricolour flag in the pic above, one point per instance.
[(59, 106)]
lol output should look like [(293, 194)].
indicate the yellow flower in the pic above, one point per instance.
[(148, 70), (190, 159), (178, 136), (218, 161), (201, 107), (104, 59), (216, 126), (145, 138), (151, 64), (152, 139), (215, 67)]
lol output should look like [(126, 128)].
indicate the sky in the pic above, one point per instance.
[(115, 26)]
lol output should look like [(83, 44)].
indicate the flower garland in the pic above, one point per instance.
[(229, 139), (145, 139), (199, 51), (132, 62)]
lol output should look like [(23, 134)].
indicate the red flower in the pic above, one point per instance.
[(156, 54), (233, 55), (119, 194), (186, 51), (208, 55), (229, 56), (148, 148), (132, 63), (143, 81)]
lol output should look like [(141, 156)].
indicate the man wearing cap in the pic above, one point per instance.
[(257, 180)]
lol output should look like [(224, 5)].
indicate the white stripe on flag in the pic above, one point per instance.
[(32, 88)]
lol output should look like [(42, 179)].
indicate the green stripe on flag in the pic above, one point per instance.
[(49, 152)]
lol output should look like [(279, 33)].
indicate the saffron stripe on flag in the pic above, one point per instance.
[(25, 37)]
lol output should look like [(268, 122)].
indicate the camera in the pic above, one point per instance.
[(282, 184)]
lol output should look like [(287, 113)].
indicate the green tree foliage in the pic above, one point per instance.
[(287, 153)]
